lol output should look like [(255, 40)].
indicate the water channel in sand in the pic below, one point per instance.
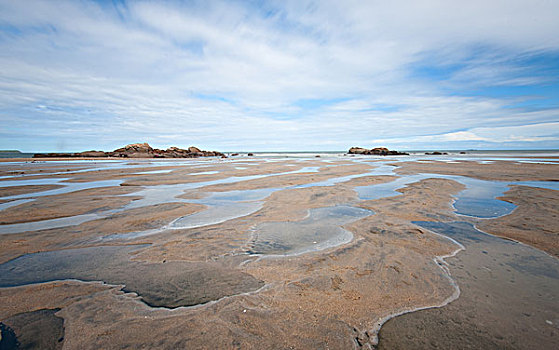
[(509, 298), (473, 201), (477, 200), (149, 196)]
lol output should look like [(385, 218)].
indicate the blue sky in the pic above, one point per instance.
[(279, 75)]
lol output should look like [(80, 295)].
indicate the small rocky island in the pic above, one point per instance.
[(378, 151), (137, 150)]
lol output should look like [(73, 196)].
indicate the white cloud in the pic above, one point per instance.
[(228, 75), (494, 136)]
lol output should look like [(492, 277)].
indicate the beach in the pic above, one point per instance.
[(281, 251)]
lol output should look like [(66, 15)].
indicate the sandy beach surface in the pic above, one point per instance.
[(280, 253)]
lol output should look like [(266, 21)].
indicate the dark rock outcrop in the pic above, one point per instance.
[(92, 154), (378, 151), (436, 153), (137, 150)]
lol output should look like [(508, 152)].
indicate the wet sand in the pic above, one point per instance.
[(487, 170), (17, 190), (509, 299), (309, 264), (68, 204), (170, 284), (534, 221), (40, 329)]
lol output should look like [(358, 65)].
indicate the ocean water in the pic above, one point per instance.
[(15, 154), (298, 154), (469, 153)]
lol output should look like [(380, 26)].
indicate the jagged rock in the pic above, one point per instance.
[(135, 148), (378, 151), (139, 150), (358, 150), (435, 153), (92, 154)]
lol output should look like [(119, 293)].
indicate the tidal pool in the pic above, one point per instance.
[(322, 229), (166, 284), (478, 199), (221, 207)]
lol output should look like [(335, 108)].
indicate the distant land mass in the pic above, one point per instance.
[(137, 150), (14, 154), (378, 151)]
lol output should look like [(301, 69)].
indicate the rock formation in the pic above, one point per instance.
[(378, 151), (137, 150)]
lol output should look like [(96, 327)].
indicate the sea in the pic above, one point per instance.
[(302, 154), (454, 153)]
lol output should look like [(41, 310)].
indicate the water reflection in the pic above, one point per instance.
[(322, 229)]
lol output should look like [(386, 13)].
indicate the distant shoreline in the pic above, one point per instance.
[(12, 156)]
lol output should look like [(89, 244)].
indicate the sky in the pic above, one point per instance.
[(279, 75)]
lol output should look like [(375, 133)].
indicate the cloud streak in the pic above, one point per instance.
[(285, 75)]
